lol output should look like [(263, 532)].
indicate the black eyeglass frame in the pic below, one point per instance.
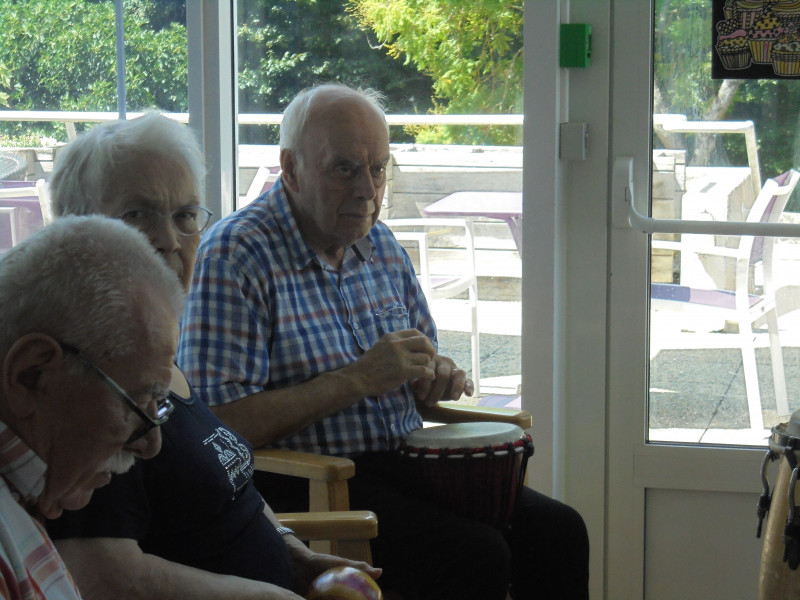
[(164, 406)]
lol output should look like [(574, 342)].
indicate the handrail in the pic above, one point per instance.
[(625, 213), (71, 117), (679, 124)]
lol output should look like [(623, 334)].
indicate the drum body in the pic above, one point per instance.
[(777, 580), (474, 469)]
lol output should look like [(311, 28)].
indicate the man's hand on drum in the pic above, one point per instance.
[(397, 357), (450, 382)]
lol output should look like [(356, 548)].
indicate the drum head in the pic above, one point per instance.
[(464, 435)]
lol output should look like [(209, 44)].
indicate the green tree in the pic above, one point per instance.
[(288, 45), (472, 50), (683, 85), (61, 55)]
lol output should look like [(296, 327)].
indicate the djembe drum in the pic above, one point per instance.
[(475, 469), (779, 578)]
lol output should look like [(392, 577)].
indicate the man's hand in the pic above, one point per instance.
[(307, 565), (397, 357), (450, 382)]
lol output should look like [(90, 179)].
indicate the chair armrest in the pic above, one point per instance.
[(339, 525), (451, 412), (318, 467)]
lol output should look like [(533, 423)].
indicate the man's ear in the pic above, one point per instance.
[(25, 368), (289, 169)]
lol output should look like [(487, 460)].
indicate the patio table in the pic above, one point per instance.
[(506, 206)]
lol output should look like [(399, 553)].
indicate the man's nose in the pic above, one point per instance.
[(148, 445), (365, 187)]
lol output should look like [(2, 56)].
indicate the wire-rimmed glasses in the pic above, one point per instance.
[(188, 220), (164, 406)]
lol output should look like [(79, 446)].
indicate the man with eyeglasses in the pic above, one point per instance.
[(189, 523), (88, 333)]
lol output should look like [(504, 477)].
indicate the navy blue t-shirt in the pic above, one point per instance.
[(193, 503)]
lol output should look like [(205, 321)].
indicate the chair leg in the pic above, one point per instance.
[(776, 358), (751, 375), (476, 345)]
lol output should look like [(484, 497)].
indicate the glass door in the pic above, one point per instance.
[(724, 307), (685, 435)]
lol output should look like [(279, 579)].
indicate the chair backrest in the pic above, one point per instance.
[(19, 201), (419, 231), (768, 208), (45, 204)]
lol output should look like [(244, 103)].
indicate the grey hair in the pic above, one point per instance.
[(81, 281), (296, 113), (84, 176)]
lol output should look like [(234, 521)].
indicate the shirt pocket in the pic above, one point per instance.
[(391, 318)]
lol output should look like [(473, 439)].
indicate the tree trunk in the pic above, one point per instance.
[(716, 110)]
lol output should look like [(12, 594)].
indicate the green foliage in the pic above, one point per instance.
[(472, 50), (683, 77), (61, 55), (288, 45)]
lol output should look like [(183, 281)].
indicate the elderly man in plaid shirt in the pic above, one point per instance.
[(306, 328)]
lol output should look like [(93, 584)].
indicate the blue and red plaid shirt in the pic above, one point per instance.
[(30, 567), (264, 312)]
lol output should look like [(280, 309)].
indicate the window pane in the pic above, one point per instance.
[(60, 56), (286, 46), (723, 332)]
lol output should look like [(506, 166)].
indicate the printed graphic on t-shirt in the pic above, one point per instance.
[(233, 455)]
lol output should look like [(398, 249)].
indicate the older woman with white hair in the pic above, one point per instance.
[(188, 523)]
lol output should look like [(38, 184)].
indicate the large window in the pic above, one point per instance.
[(424, 61), (59, 74)]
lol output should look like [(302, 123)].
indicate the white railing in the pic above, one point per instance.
[(70, 118), (678, 124)]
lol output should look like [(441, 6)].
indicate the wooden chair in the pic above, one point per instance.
[(348, 532)]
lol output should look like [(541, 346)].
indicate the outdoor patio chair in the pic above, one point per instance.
[(749, 301), (43, 192), (18, 200), (452, 273)]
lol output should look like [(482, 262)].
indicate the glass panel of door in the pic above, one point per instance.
[(724, 319)]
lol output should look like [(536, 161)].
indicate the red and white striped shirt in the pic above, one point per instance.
[(30, 567)]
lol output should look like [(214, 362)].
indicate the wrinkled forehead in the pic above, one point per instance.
[(346, 125), (156, 177)]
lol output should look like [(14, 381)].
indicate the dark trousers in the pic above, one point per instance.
[(429, 553)]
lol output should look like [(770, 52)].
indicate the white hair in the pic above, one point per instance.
[(80, 280), (85, 173), (296, 113)]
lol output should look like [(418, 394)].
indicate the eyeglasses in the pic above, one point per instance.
[(189, 220), (164, 406)]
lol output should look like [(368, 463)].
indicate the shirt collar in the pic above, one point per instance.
[(20, 466), (301, 253)]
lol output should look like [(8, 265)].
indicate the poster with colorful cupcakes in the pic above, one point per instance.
[(756, 39)]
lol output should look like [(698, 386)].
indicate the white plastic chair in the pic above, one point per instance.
[(748, 302), (43, 191), (438, 283)]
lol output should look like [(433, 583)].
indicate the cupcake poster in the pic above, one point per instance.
[(756, 39)]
